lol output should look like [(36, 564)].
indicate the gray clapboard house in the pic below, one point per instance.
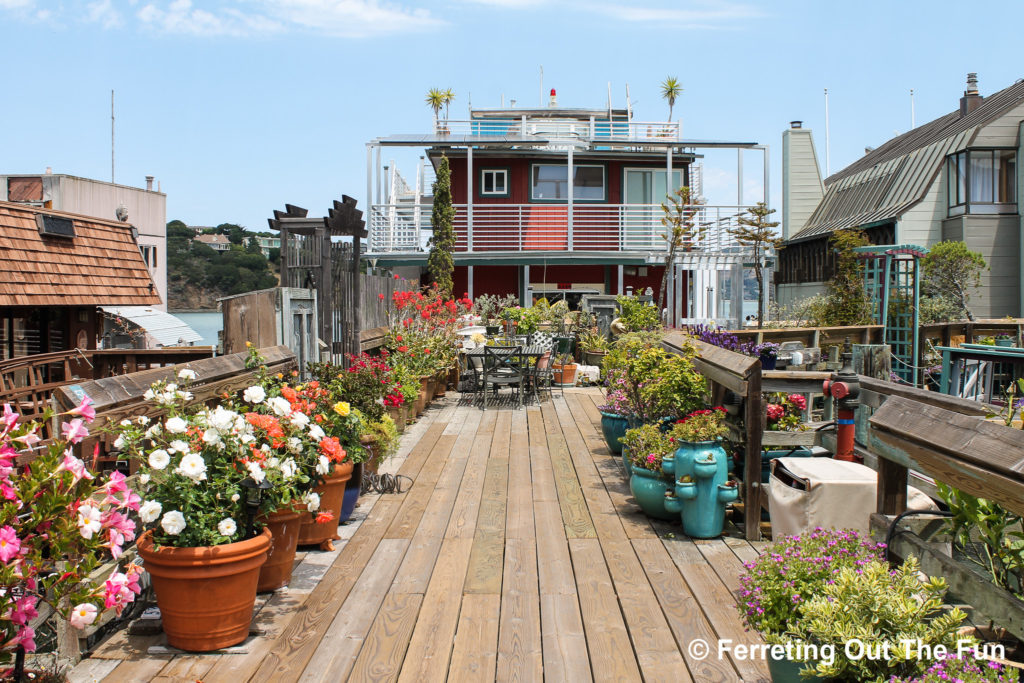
[(954, 178)]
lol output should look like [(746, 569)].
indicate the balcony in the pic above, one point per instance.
[(515, 228), (591, 131)]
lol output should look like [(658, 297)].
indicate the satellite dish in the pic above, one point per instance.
[(121, 213)]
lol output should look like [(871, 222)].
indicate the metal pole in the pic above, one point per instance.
[(469, 281), (912, 124), (828, 139), (379, 183), (621, 275), (469, 198), (739, 177), (111, 136), (569, 207), (767, 194)]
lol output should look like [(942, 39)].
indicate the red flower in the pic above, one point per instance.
[(403, 349), (324, 517), (381, 297)]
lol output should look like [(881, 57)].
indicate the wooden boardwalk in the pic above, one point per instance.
[(517, 555)]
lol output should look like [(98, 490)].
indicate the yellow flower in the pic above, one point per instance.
[(280, 375), (248, 344), (342, 408)]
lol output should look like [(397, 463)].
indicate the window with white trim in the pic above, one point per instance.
[(494, 182)]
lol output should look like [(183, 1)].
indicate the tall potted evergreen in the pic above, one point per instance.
[(439, 261)]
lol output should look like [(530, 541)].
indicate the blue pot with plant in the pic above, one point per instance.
[(768, 353)]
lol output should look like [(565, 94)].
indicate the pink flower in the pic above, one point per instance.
[(74, 431), (775, 411), (121, 589), (26, 637), (84, 409), (9, 419), (30, 439), (8, 492), (24, 610), (83, 615), (798, 400), (75, 466), (115, 483), (10, 544)]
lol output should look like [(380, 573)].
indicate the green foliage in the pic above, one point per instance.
[(951, 271), (991, 535), (701, 425), (878, 608), (938, 309), (846, 302), (681, 232), (657, 383), (637, 316), (758, 233), (435, 99), (385, 434), (194, 265), (647, 446), (439, 261), (594, 341), (671, 89)]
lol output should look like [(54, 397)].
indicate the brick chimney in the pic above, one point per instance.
[(971, 99)]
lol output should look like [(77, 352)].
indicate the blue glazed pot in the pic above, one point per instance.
[(785, 671), (672, 504), (768, 456), (705, 496), (688, 451), (649, 490), (627, 465), (352, 486), (613, 428), (668, 465)]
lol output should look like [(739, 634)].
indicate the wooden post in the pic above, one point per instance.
[(892, 487), (353, 341), (755, 423)]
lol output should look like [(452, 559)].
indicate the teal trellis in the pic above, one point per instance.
[(891, 278)]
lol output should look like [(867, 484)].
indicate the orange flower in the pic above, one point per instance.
[(331, 447), (323, 517), (289, 394)]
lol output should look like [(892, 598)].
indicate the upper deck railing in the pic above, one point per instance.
[(404, 228), (589, 130)]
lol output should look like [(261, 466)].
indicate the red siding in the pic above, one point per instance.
[(500, 280)]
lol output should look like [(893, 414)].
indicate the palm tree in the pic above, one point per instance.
[(670, 90), (435, 100), (448, 96)]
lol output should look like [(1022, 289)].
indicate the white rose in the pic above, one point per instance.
[(235, 497), (212, 437), (187, 374), (143, 479), (255, 471), (254, 394), (149, 511), (176, 425), (178, 446), (149, 395), (126, 422), (299, 420), (323, 465), (142, 420), (119, 442), (159, 459), (227, 527), (316, 433), (222, 419), (280, 405), (294, 445), (312, 501), (247, 438), (192, 466), (153, 431), (289, 468), (173, 522)]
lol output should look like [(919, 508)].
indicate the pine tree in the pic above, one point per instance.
[(439, 261), (757, 232)]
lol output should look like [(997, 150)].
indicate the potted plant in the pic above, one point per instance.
[(1004, 340), (595, 347), (768, 353), (564, 370), (775, 586), (882, 606), (647, 445), (615, 413), (58, 522), (204, 471), (381, 441), (339, 453), (699, 433), (963, 668), (783, 413)]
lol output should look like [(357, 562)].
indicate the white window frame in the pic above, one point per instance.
[(496, 173), (604, 183)]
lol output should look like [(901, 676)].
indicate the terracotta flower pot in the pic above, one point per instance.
[(205, 595), (564, 374), (372, 461), (441, 383), (421, 403), (284, 528), (397, 414), (332, 494)]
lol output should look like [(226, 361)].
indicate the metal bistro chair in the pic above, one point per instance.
[(470, 383), (541, 377), (502, 366)]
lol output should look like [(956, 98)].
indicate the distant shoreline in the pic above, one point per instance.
[(193, 310)]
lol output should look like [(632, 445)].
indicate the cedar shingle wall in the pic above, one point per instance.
[(100, 266)]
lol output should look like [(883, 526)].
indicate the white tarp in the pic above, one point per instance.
[(163, 327)]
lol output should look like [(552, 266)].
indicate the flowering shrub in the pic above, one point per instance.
[(647, 446), (954, 669), (57, 523), (369, 383), (793, 569), (701, 425), (423, 328), (785, 411), (655, 383)]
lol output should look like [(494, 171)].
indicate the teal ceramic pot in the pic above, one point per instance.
[(649, 490), (668, 466), (706, 496), (673, 505), (688, 452), (613, 428), (1005, 343), (627, 465), (785, 671)]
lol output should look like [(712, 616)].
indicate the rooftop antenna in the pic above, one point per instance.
[(912, 109), (111, 137), (609, 100), (540, 100), (828, 167)]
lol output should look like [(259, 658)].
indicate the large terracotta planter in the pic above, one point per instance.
[(284, 529), (332, 495), (205, 595), (397, 414), (441, 383), (564, 374), (372, 461)]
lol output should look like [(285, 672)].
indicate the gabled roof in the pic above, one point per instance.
[(887, 181), (101, 265)]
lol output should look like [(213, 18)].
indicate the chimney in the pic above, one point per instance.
[(796, 124), (149, 183), (971, 99), (802, 189), (553, 102)]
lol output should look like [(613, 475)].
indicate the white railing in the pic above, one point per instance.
[(403, 228), (590, 130)]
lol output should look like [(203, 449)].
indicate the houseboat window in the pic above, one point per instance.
[(551, 182), (982, 181), (495, 182)]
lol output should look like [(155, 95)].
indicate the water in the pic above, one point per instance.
[(206, 323)]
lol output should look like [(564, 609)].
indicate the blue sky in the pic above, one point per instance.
[(238, 106)]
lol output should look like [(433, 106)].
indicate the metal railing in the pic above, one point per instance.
[(590, 130), (402, 228)]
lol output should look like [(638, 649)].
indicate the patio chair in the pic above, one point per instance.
[(540, 376), (470, 383), (502, 367)]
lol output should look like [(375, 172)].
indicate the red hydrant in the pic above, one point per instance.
[(844, 388)]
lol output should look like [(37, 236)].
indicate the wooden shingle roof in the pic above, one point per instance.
[(100, 266)]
